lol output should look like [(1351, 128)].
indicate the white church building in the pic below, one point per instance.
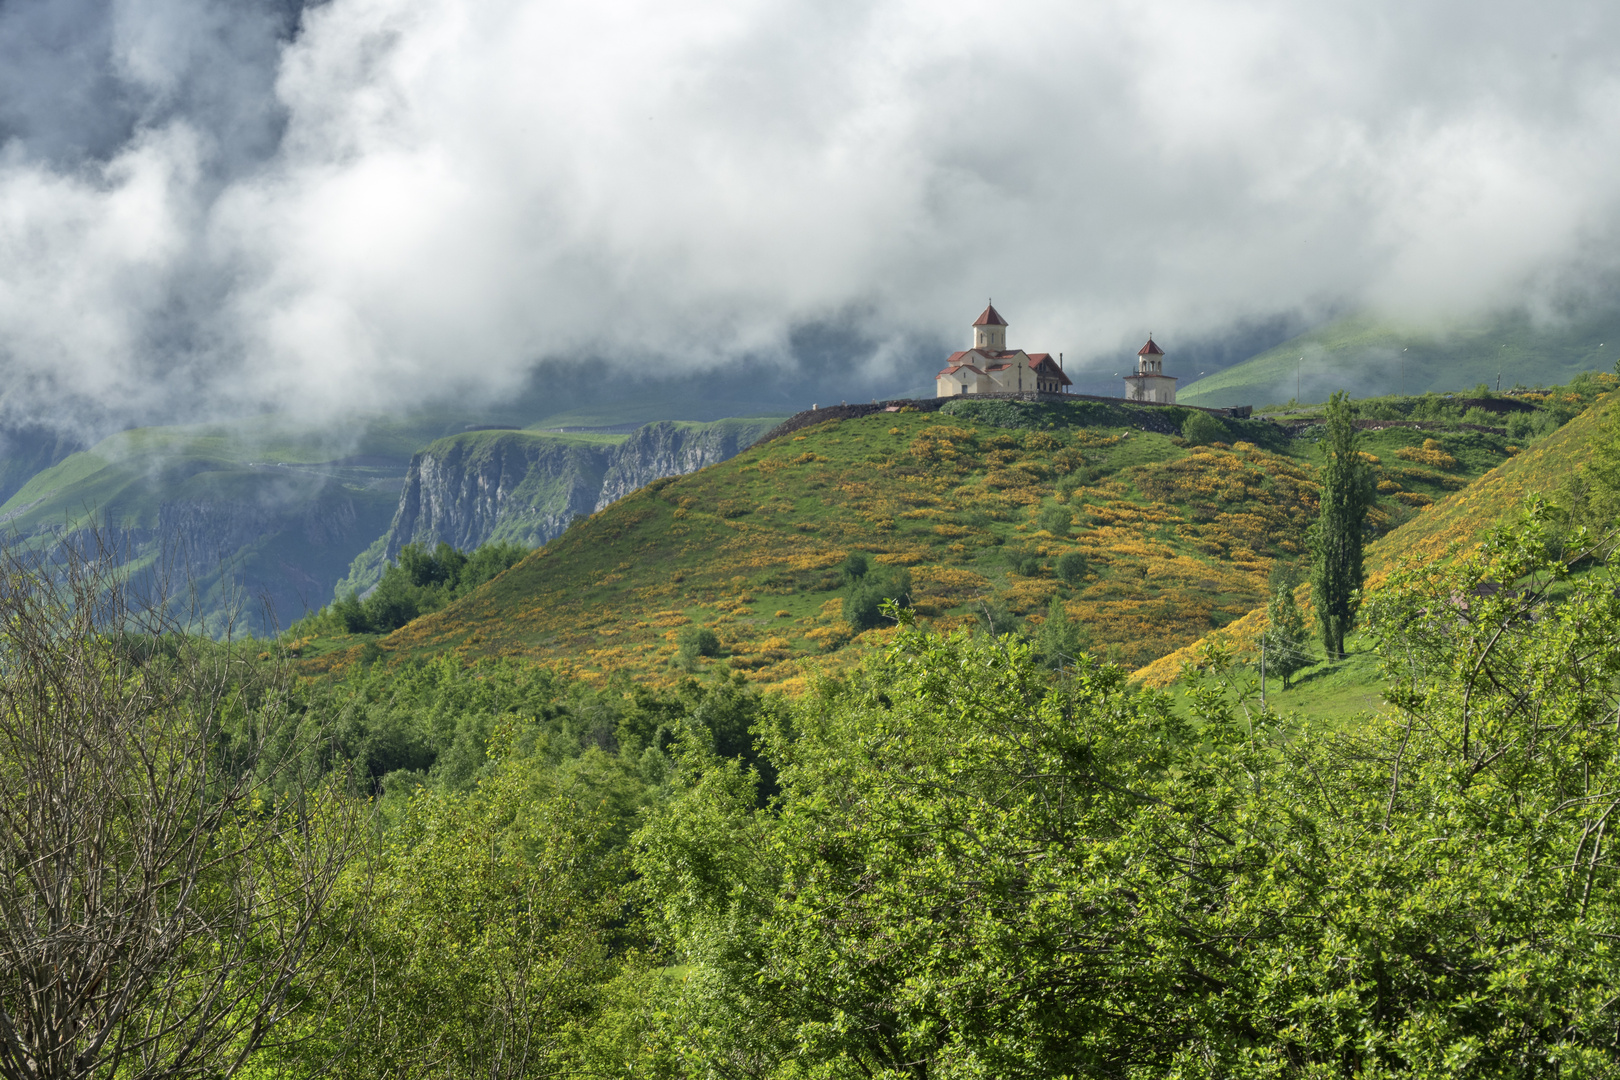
[(989, 367)]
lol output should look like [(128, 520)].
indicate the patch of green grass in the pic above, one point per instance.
[(1333, 691)]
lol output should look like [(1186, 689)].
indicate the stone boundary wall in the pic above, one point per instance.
[(811, 417)]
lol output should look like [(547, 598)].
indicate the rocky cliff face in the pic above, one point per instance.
[(666, 449), (525, 487), (513, 486)]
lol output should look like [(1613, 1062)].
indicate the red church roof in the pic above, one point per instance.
[(991, 317), (1150, 349)]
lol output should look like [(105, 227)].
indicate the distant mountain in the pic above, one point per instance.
[(258, 521), (1370, 357), (253, 530)]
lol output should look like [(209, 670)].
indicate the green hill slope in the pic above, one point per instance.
[(971, 500), (1368, 357), (1463, 518)]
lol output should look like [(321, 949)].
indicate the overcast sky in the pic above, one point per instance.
[(217, 204)]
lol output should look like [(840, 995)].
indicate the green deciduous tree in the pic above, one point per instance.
[(1201, 429), (1061, 641), (1071, 566), (421, 581), (1338, 536), (1056, 519), (974, 870), (863, 606), (1286, 641), (488, 931), (166, 881)]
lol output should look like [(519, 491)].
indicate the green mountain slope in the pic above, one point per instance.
[(977, 502), (1368, 357)]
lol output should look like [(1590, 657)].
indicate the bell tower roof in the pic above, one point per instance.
[(991, 317), (1150, 349)]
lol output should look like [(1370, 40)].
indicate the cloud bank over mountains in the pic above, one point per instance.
[(211, 206)]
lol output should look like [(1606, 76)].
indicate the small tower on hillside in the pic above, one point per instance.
[(1149, 382), (990, 330)]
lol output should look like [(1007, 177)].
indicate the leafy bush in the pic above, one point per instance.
[(1057, 520), (1201, 429), (1071, 566), (704, 642), (863, 606), (1024, 563), (695, 641)]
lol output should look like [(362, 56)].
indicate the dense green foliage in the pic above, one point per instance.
[(975, 871), (420, 581), (1201, 429), (1339, 535), (868, 592), (984, 854), (960, 863)]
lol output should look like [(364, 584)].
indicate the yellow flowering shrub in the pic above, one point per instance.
[(1430, 453)]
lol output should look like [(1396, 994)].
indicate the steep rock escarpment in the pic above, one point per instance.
[(525, 487), (668, 449), (262, 563), (513, 485)]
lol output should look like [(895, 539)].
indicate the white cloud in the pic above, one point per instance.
[(464, 186)]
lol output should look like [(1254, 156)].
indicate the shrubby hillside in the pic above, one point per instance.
[(943, 855), (992, 509), (1460, 520)]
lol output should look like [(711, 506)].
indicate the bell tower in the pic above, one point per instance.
[(990, 330), (1150, 383)]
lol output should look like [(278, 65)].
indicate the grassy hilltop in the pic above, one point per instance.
[(972, 501)]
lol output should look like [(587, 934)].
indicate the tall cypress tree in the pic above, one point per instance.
[(1347, 492)]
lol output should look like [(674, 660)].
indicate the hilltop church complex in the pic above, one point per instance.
[(989, 367)]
